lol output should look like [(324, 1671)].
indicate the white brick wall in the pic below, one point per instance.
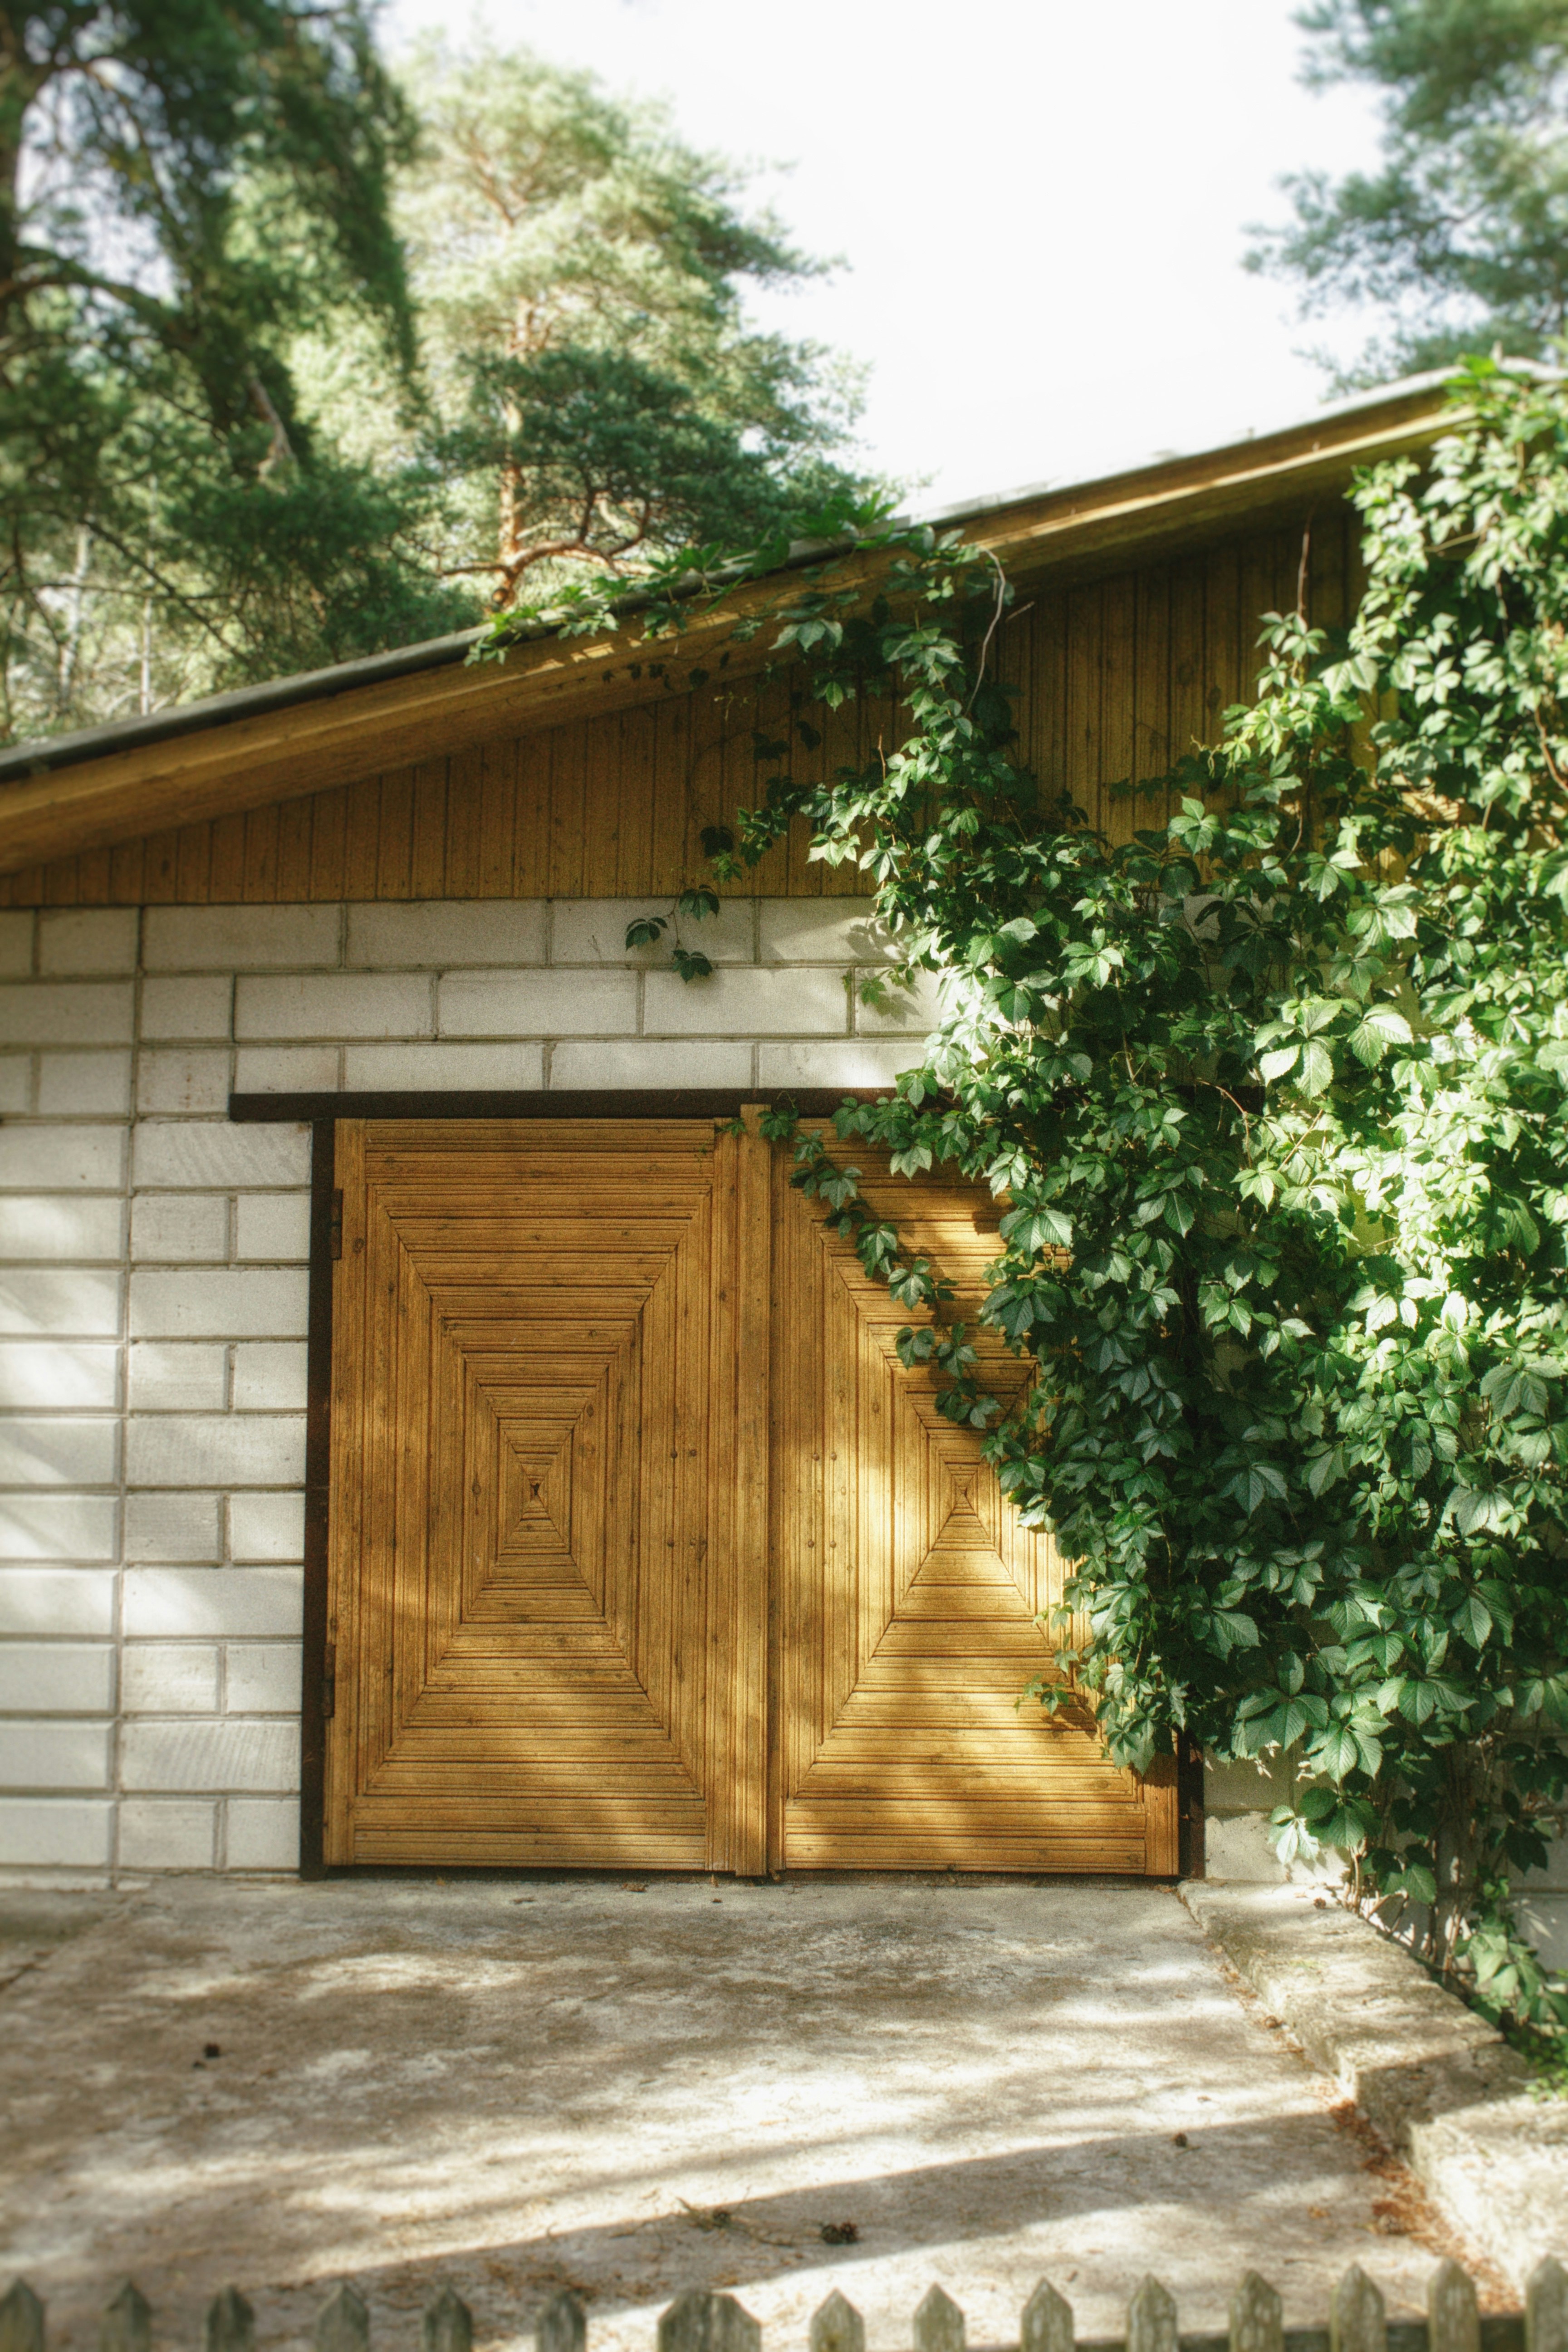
[(153, 1286)]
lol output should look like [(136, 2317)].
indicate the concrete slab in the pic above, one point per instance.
[(1439, 2082), (519, 2085)]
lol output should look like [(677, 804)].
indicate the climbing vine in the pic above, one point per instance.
[(1273, 1092)]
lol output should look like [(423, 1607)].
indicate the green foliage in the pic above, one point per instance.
[(581, 277), (1274, 1094), (185, 187), (1462, 236)]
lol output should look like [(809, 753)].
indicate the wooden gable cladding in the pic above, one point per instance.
[(1117, 676)]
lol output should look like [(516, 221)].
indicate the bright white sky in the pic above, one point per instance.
[(1042, 204)]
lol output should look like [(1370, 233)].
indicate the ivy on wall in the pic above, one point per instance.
[(1274, 1095)]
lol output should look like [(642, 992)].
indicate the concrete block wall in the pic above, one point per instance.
[(153, 1287)]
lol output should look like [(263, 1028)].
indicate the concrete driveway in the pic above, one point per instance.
[(523, 2085)]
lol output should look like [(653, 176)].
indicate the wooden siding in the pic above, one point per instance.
[(1116, 677)]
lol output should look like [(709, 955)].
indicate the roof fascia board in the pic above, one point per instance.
[(296, 747)]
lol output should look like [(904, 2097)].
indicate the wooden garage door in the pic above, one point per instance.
[(646, 1551)]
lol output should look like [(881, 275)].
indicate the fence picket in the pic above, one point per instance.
[(1256, 2318), (1546, 2309), (1452, 2316), (562, 2325), (1357, 2321), (1151, 2319), (938, 2323), (125, 2324), (448, 2324), (707, 2323), (1046, 2323), (21, 2319), (231, 2322), (836, 2326), (342, 2323)]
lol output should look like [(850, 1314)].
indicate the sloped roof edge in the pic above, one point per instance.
[(295, 735)]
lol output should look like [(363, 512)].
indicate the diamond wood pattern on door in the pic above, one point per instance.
[(907, 1593), (547, 1603)]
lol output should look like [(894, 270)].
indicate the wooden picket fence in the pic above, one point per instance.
[(697, 2322)]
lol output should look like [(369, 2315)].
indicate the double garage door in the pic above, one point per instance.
[(646, 1552)]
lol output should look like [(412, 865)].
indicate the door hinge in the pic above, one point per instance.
[(329, 1683), (336, 1227)]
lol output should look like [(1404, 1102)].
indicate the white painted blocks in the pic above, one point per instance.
[(593, 931), (170, 1678), (272, 1225), (68, 1011), (169, 1602), (266, 1526), (66, 1833), (57, 1678), (193, 1079), (801, 1001), (269, 1376), (160, 1834), (72, 1085), (55, 1601), (383, 1005), (187, 1008), (80, 1373), (241, 938), (442, 1069), (173, 1528), (228, 1449), (262, 1303), (56, 1527), (203, 1155), (909, 1012), (430, 934), (171, 1227), (63, 1303), (52, 1754), (39, 1452), (263, 1678), (263, 1833), (646, 1064), (538, 1003), (216, 1757), (820, 931), (287, 1069), (62, 1159), (861, 1062), (39, 1227), (75, 939)]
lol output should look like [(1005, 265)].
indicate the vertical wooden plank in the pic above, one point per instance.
[(1357, 2322), (1546, 2307), (1256, 2318), (261, 855), (1117, 636), (329, 841), (837, 2326), (497, 818), (531, 821), (126, 864), (225, 870), (294, 827), (427, 859), (343, 2324), (160, 873), (230, 2323), (362, 841), (21, 2319), (1453, 2317), (1082, 744), (448, 2324), (61, 883), (562, 2325), (126, 2322), (1188, 681), (1222, 636), (93, 879), (1151, 2319), (638, 752), (194, 883), (465, 785), (568, 755), (394, 848)]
